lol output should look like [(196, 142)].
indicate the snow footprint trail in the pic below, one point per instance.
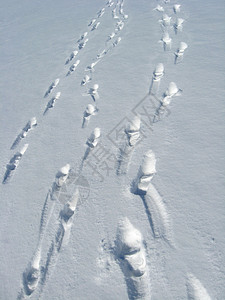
[(31, 124), (35, 276), (195, 289), (32, 275), (131, 255), (118, 28), (62, 235), (14, 163)]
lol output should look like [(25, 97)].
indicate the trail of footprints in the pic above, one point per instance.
[(131, 256), (130, 249), (81, 43), (39, 268)]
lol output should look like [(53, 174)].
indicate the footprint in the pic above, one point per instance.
[(145, 174), (90, 111), (95, 26), (111, 36), (178, 25), (31, 277), (93, 92), (85, 80), (90, 68), (132, 133), (159, 8), (52, 86), (52, 102), (180, 52), (94, 138), (102, 54), (82, 37), (165, 21), (92, 22), (131, 255), (176, 8), (82, 44), (14, 163), (110, 3), (29, 126), (101, 12), (171, 92), (73, 67), (167, 41), (92, 142), (73, 54), (119, 26), (117, 41), (156, 78)]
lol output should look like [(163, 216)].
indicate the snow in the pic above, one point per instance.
[(181, 217)]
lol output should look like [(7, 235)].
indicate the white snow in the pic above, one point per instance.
[(181, 216)]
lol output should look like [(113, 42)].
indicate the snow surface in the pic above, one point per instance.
[(37, 38)]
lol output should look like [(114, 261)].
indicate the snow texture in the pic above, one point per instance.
[(58, 229)]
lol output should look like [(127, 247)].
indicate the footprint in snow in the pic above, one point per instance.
[(29, 126), (82, 37), (90, 110), (95, 26), (178, 25), (52, 86), (165, 21), (14, 163), (52, 102), (90, 68), (167, 41), (73, 67), (156, 78), (180, 52), (172, 91), (92, 22), (85, 80), (73, 54), (131, 255), (176, 8), (82, 44), (93, 92)]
